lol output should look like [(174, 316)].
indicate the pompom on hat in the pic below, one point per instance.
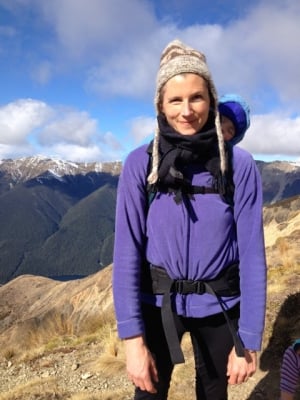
[(237, 110), (178, 58)]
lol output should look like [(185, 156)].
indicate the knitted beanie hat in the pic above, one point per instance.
[(178, 58), (237, 110)]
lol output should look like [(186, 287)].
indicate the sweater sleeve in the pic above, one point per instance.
[(130, 243), (290, 371), (248, 207)]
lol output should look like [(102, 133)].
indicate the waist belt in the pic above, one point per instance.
[(159, 282)]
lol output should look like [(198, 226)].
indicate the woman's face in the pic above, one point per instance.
[(185, 103), (228, 128)]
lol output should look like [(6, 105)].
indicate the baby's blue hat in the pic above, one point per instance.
[(237, 110)]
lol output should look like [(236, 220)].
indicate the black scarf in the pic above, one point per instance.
[(177, 151)]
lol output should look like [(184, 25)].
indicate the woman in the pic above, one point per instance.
[(178, 244)]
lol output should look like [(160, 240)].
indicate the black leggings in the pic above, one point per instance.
[(211, 341)]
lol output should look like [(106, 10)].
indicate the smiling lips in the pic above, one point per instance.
[(187, 122)]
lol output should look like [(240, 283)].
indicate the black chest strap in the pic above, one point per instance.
[(226, 284), (189, 190)]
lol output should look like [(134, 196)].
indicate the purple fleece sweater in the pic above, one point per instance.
[(190, 248)]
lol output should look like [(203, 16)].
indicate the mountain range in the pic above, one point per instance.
[(57, 217)]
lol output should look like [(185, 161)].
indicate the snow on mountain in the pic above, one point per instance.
[(23, 169), (281, 179)]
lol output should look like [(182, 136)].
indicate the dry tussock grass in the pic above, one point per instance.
[(112, 363), (56, 332), (49, 391), (36, 389)]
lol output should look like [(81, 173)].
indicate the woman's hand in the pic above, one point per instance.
[(141, 368), (239, 369)]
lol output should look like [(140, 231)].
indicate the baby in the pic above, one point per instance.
[(235, 117)]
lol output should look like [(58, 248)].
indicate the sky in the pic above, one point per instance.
[(77, 77)]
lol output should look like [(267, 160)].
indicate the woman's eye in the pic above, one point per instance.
[(175, 100), (197, 97)]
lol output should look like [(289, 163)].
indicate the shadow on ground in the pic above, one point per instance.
[(285, 330)]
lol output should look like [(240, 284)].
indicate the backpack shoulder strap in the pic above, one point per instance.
[(223, 185), (150, 189), (229, 182)]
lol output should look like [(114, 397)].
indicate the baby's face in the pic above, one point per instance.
[(228, 128)]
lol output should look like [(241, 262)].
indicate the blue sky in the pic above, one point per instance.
[(77, 77)]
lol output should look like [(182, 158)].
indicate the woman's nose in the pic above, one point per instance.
[(186, 108)]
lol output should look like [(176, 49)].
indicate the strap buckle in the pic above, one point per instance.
[(184, 286)]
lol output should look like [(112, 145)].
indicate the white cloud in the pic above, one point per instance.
[(273, 134), (120, 43), (257, 54), (110, 141), (18, 119), (97, 25), (15, 151), (141, 128), (130, 72), (72, 152), (254, 56), (69, 126), (30, 126)]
